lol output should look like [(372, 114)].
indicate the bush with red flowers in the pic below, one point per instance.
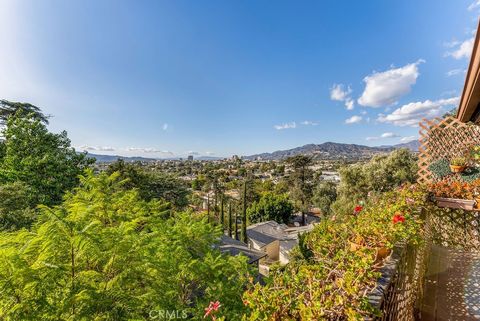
[(328, 278)]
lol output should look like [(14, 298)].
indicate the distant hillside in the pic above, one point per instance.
[(413, 145), (331, 150), (113, 158)]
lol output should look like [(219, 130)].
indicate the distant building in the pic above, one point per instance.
[(190, 157)]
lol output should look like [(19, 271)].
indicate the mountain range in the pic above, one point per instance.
[(330, 150)]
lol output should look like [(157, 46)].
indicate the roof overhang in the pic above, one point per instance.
[(469, 108)]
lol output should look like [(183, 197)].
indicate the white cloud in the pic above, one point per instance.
[(408, 139), (286, 126), (194, 153), (353, 120), (350, 104), (474, 5), (411, 114), (389, 135), (165, 126), (209, 153), (463, 50), (339, 92), (148, 150), (384, 135), (309, 123), (455, 72), (385, 88), (97, 148)]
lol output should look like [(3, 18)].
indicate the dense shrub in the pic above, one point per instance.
[(381, 174), (106, 254), (327, 278), (271, 207)]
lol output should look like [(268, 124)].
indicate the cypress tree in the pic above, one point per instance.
[(236, 226), (208, 208), (244, 213), (222, 214), (229, 228)]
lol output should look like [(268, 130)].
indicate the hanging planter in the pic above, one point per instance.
[(468, 205)]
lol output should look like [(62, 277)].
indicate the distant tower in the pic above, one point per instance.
[(190, 158)]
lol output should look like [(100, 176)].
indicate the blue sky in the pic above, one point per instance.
[(162, 78)]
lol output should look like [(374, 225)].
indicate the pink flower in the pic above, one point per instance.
[(213, 306), (409, 201)]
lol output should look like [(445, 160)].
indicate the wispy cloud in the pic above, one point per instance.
[(353, 120), (386, 87), (455, 72), (408, 139), (340, 92), (474, 5), (192, 152), (411, 114), (97, 148), (309, 123), (290, 125), (383, 136), (165, 126), (462, 50), (148, 150)]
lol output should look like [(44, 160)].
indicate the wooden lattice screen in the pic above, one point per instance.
[(443, 138)]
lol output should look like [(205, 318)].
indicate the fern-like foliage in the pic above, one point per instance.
[(106, 254)]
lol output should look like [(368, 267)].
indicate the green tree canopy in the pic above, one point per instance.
[(152, 185), (8, 109), (106, 254), (271, 207), (324, 195), (16, 210), (381, 174), (42, 160), (301, 182)]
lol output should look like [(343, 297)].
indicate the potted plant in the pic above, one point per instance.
[(453, 194), (475, 153), (458, 164)]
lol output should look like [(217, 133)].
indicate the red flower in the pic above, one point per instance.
[(398, 218), (213, 306), (357, 209)]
